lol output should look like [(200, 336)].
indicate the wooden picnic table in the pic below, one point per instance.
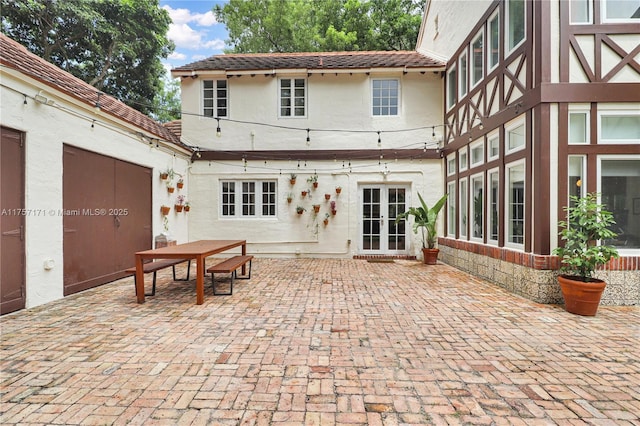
[(198, 250)]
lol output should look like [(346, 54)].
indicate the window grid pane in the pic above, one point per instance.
[(494, 181), (385, 97), (477, 188), (494, 41), (228, 198), (515, 32), (451, 209), (516, 205), (217, 97), (293, 100), (477, 56)]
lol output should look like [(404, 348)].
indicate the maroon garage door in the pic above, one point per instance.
[(12, 221), (107, 217)]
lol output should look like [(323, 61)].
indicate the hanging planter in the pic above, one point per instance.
[(180, 203), (170, 189), (338, 189), (164, 175), (180, 184), (165, 210), (326, 219), (292, 179), (313, 180), (327, 197), (289, 198), (187, 207), (300, 209), (304, 194), (316, 208), (167, 174), (179, 207)]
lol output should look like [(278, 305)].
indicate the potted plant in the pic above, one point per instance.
[(327, 197), (289, 197), (292, 178), (187, 206), (167, 174), (300, 209), (316, 208), (180, 183), (165, 210), (333, 208), (425, 220), (313, 179), (304, 193), (584, 234), (179, 203), (338, 189), (326, 219)]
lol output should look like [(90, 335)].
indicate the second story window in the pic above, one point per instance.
[(293, 97), (452, 86), (385, 97), (620, 11), (215, 98), (515, 25)]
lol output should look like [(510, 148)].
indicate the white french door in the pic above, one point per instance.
[(380, 204)]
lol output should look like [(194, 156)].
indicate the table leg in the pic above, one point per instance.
[(200, 280), (139, 280), (244, 266)]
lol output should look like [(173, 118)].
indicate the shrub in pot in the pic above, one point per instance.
[(583, 235), (425, 220)]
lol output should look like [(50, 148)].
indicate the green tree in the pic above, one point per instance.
[(167, 105), (328, 25), (114, 45)]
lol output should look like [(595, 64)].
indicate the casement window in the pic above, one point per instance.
[(451, 209), (293, 97), (579, 126), (452, 86), (515, 204), (463, 211), (215, 98), (515, 136), (619, 186), (493, 178), (477, 58), (477, 153), (477, 207), (463, 161), (577, 175), (619, 127), (248, 199), (451, 165), (385, 97), (493, 36), (463, 73), (493, 146), (515, 24), (620, 11), (580, 11)]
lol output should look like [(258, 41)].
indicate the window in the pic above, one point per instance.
[(620, 11), (214, 98), (493, 146), (577, 175), (451, 209), (619, 127), (248, 198), (578, 127), (477, 58), (515, 204), (451, 165), (494, 194), (452, 85), (463, 162), (464, 77), (477, 207), (463, 208), (493, 36), (514, 137), (293, 97), (515, 24), (620, 191), (580, 11), (385, 96), (477, 153)]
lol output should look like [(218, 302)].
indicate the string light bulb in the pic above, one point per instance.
[(379, 140), (308, 138), (218, 131)]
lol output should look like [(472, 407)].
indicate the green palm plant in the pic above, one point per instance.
[(425, 220)]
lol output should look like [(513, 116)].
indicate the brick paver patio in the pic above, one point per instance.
[(320, 342)]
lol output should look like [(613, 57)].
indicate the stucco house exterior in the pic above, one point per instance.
[(80, 187), (542, 101), (367, 122)]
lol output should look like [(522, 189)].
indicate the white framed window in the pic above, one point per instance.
[(451, 209), (477, 207), (493, 41), (477, 153), (618, 11), (293, 97), (463, 73), (580, 11), (242, 199), (577, 175), (477, 58), (385, 97), (620, 127), (215, 98), (463, 160), (619, 188), (451, 165), (579, 126), (463, 210), (514, 136), (493, 179), (493, 146), (452, 87), (515, 214), (515, 24)]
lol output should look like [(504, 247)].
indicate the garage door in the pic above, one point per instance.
[(107, 205)]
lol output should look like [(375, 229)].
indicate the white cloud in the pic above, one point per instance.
[(184, 36), (215, 44), (184, 16), (177, 56)]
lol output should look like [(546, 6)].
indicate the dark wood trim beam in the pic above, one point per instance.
[(316, 154), (589, 92)]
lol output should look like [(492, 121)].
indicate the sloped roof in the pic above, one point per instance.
[(174, 127), (314, 61), (15, 56)]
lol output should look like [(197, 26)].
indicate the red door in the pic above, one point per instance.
[(12, 222)]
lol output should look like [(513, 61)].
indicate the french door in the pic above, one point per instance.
[(380, 205)]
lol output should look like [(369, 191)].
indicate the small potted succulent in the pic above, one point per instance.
[(289, 197), (170, 187), (326, 219), (300, 209), (313, 180), (180, 183), (338, 189), (316, 208), (292, 178), (187, 206), (167, 174)]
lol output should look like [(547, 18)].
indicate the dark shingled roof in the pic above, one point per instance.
[(314, 61), (15, 56)]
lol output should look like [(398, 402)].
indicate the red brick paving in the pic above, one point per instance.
[(320, 342)]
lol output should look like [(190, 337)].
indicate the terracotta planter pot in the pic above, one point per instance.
[(338, 190), (170, 189), (165, 210), (333, 212), (289, 200), (581, 298), (430, 256), (180, 185), (292, 181), (187, 208), (178, 207), (316, 208), (303, 193), (164, 176), (326, 222), (327, 196), (315, 184)]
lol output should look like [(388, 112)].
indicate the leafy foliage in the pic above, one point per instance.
[(260, 26), (116, 46), (425, 219), (587, 224)]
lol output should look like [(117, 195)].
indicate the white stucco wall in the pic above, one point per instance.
[(47, 128)]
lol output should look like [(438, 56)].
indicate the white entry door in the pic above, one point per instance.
[(380, 204)]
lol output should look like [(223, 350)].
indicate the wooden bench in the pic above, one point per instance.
[(229, 266), (157, 265)]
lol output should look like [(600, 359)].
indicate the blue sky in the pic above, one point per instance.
[(194, 30)]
